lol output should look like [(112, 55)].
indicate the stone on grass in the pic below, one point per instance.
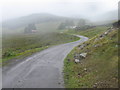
[(97, 45), (82, 46), (116, 45), (79, 75), (106, 33), (85, 69), (101, 36), (83, 55), (77, 60)]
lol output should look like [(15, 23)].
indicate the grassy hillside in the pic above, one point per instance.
[(48, 26), (41, 27), (37, 18), (99, 69), (26, 44), (88, 32)]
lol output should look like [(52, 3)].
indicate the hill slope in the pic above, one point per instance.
[(99, 68), (34, 18)]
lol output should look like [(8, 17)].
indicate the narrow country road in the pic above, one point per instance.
[(42, 70)]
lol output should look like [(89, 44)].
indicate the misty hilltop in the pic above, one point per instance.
[(33, 18), (108, 16), (45, 17)]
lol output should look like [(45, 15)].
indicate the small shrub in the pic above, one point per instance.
[(8, 53)]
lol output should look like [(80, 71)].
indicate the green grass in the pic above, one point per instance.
[(41, 27), (101, 64), (17, 45), (89, 32), (21, 55), (51, 26), (22, 45)]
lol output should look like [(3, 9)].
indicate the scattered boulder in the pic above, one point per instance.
[(101, 36), (82, 46), (85, 69), (83, 55), (106, 33), (116, 45), (79, 74), (97, 45), (95, 85), (77, 60)]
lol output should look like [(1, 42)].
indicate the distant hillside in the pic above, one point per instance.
[(34, 18), (39, 18)]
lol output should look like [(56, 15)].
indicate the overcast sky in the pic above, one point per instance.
[(86, 8)]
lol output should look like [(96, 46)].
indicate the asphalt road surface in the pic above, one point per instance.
[(41, 70)]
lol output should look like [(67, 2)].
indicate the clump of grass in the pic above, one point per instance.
[(99, 69)]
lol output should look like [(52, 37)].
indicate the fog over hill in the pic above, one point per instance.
[(45, 17), (89, 9), (33, 18), (111, 15), (23, 12)]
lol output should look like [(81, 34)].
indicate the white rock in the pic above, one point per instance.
[(116, 45), (97, 45), (106, 33), (77, 60), (85, 69), (83, 55)]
